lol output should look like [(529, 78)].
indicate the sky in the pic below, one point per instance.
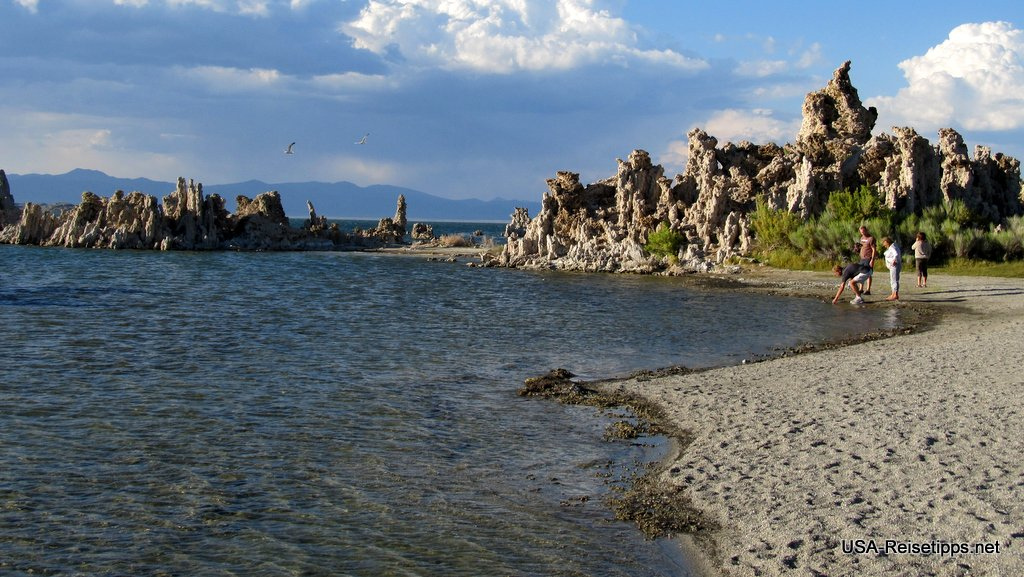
[(475, 98)]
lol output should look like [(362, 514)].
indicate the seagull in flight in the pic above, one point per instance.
[(289, 149), (363, 139)]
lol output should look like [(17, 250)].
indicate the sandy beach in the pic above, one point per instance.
[(898, 456)]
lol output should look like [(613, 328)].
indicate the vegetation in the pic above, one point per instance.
[(455, 241), (664, 241), (964, 267), (960, 241)]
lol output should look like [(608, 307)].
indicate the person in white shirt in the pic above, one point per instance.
[(894, 262)]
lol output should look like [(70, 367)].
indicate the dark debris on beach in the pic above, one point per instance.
[(657, 508)]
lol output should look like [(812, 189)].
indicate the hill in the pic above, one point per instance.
[(332, 199)]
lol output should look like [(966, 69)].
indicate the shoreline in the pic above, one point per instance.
[(912, 437)]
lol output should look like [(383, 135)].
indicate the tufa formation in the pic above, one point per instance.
[(187, 220), (603, 226)]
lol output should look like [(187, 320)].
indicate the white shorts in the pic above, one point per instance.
[(860, 277)]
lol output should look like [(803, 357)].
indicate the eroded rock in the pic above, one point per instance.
[(603, 226), (186, 220)]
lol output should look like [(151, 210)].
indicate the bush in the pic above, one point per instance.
[(455, 241), (784, 239), (1007, 242), (664, 241), (958, 212), (773, 227), (838, 240), (966, 242), (855, 205), (806, 240)]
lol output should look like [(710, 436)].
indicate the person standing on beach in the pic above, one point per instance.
[(922, 252), (868, 254), (894, 261), (853, 274)]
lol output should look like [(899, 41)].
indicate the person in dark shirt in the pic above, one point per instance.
[(868, 254), (853, 274)]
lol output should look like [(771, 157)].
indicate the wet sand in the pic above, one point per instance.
[(884, 457)]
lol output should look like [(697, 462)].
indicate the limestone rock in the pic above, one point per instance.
[(835, 113), (520, 220), (187, 220), (604, 225), (33, 227), (601, 227), (421, 231), (316, 223), (392, 230), (261, 224), (9, 213)]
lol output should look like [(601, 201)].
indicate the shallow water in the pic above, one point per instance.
[(336, 413)]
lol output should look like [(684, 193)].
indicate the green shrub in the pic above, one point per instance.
[(789, 258), (784, 239), (773, 227), (838, 240), (664, 241), (1007, 243), (958, 212), (855, 205), (805, 240), (966, 242)]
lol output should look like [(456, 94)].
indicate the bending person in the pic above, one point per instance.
[(854, 274)]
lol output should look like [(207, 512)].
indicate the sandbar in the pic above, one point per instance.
[(893, 456)]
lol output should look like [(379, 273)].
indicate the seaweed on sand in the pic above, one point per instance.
[(658, 508)]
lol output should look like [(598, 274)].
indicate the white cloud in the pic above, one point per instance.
[(973, 80), (502, 36), (357, 170), (798, 57), (243, 7), (756, 125), (49, 142), (352, 81), (226, 80), (210, 4), (675, 156), (809, 57), (761, 68), (253, 7), (31, 5)]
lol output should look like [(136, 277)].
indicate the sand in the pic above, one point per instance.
[(884, 457)]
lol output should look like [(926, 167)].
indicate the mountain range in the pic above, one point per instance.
[(330, 199)]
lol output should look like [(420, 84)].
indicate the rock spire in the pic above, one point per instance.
[(604, 225)]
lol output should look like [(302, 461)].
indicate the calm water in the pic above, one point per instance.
[(334, 413)]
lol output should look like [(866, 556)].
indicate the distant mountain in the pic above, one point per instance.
[(331, 199)]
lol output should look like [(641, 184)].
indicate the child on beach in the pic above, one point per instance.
[(922, 252), (894, 261), (853, 274)]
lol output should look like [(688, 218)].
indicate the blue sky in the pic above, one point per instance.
[(474, 98)]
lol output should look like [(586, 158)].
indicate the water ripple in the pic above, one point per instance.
[(333, 413)]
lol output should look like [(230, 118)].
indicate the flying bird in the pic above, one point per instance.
[(289, 149), (363, 139)]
